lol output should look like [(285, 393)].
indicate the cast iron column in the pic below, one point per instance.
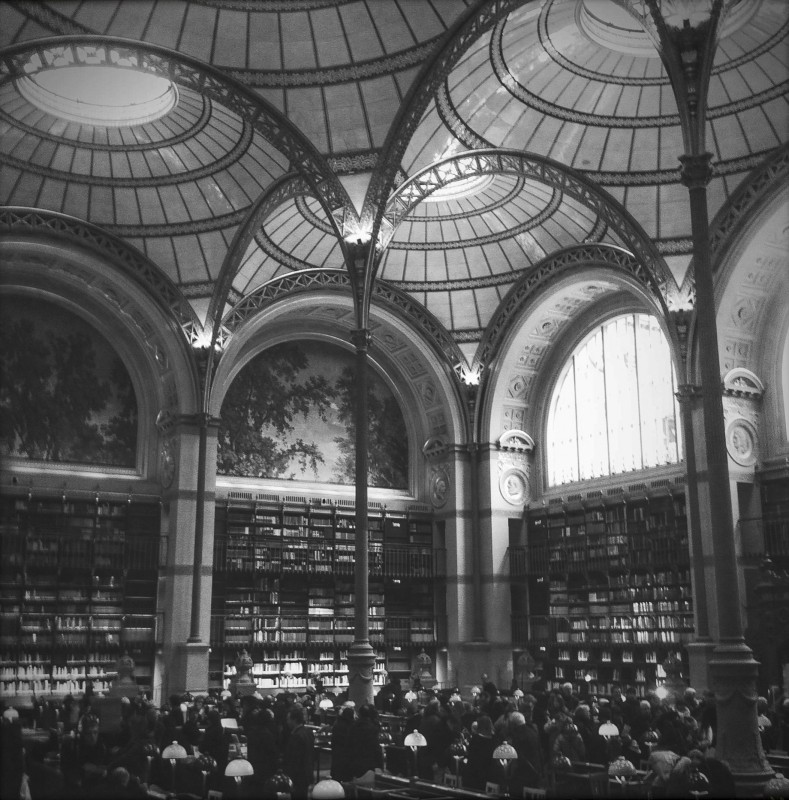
[(197, 567), (361, 656), (732, 667)]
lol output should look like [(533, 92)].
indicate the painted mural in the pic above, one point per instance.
[(289, 415), (65, 395)]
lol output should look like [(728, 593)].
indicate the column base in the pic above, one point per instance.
[(699, 657), (734, 672), (361, 661), (189, 669)]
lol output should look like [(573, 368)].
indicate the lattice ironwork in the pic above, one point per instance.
[(22, 59), (545, 171), (547, 271), (465, 31), (318, 279), (156, 285)]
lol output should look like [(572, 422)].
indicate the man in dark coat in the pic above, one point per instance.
[(297, 762)]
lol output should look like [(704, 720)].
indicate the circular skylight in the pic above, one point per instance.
[(100, 95), (463, 187)]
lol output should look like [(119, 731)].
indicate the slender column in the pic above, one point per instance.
[(197, 594), (478, 630), (732, 667), (361, 656)]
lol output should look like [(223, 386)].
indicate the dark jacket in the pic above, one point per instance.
[(479, 762), (297, 762)]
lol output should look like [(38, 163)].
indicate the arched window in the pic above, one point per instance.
[(614, 408)]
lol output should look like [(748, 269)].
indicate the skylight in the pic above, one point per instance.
[(100, 95)]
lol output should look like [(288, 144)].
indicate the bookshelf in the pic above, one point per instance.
[(78, 589), (283, 588), (601, 589)]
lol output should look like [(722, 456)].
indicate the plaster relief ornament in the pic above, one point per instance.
[(741, 442), (439, 486), (514, 486)]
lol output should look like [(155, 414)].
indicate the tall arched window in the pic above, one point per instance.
[(614, 408)]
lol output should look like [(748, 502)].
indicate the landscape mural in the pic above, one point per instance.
[(289, 415), (65, 395)]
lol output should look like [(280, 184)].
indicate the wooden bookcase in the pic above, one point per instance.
[(601, 589), (78, 589), (283, 589)]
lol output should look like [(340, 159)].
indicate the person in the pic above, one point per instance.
[(528, 768), (297, 761), (479, 756), (341, 746), (366, 754)]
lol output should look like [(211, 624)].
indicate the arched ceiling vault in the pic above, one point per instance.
[(238, 183)]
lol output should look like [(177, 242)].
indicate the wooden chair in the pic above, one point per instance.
[(532, 793), (451, 780)]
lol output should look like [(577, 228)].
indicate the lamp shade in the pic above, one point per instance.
[(608, 730), (410, 695), (10, 715), (620, 767), (325, 704), (415, 739), (777, 786), (238, 768), (327, 789), (505, 752), (174, 750)]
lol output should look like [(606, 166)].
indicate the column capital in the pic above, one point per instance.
[(687, 392), (696, 170), (360, 338)]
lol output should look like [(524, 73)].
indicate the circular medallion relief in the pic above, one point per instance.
[(514, 486), (439, 487), (741, 442)]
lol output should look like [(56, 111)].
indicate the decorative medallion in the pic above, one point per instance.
[(741, 442), (514, 486), (439, 486)]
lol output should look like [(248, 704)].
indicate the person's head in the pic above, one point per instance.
[(119, 777), (483, 726), (296, 716), (347, 714), (516, 719), (567, 689), (368, 712)]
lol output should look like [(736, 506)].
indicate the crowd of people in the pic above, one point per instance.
[(672, 739)]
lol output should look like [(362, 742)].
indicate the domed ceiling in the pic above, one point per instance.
[(256, 94)]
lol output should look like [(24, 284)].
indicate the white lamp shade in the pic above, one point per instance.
[(325, 704), (327, 789), (10, 714), (174, 750), (238, 768), (608, 730), (475, 690), (505, 752), (415, 739), (410, 695)]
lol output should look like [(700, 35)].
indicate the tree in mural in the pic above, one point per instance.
[(268, 395), (120, 432), (387, 444), (52, 397)]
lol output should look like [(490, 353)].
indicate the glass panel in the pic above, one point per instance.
[(621, 382), (614, 408), (656, 390), (563, 460), (590, 408)]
